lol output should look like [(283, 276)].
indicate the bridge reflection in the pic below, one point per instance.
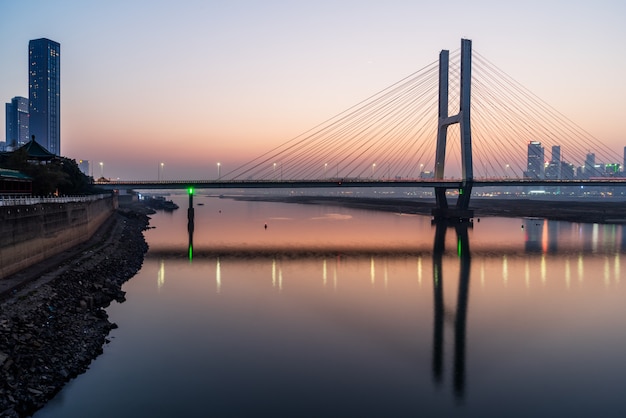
[(460, 318), (455, 317)]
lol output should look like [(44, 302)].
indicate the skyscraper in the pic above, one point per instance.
[(535, 165), (17, 122), (44, 90), (590, 166), (553, 171)]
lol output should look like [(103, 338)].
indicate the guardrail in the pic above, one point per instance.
[(21, 201)]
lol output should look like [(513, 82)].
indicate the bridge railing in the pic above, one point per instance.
[(30, 200)]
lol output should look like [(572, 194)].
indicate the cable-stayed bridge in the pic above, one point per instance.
[(404, 136)]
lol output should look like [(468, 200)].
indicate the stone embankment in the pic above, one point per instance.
[(52, 325)]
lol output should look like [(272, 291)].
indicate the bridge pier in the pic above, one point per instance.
[(455, 214), (461, 212)]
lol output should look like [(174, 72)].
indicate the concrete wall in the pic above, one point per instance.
[(32, 233)]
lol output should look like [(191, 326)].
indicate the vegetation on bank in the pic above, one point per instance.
[(60, 175)]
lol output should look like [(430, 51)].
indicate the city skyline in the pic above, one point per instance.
[(230, 81)]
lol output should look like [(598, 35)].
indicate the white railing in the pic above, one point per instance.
[(20, 201)]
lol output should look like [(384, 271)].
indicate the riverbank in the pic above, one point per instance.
[(586, 211), (52, 317)]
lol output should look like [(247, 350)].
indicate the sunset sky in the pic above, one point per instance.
[(191, 83)]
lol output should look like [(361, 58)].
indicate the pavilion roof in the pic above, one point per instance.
[(37, 151)]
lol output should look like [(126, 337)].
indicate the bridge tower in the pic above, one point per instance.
[(460, 212)]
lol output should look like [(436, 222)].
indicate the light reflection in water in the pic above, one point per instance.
[(372, 271), (419, 270), (581, 269), (505, 270), (324, 273), (482, 273), (274, 272), (218, 276), (161, 274)]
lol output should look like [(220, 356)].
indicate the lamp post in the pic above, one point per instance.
[(219, 166), (373, 168), (101, 169), (161, 165)]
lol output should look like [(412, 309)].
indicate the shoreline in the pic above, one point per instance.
[(52, 317), (591, 211)]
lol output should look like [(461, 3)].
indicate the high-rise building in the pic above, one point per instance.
[(17, 123), (590, 169), (44, 93), (553, 170), (535, 165)]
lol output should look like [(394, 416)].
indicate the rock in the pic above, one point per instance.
[(50, 332)]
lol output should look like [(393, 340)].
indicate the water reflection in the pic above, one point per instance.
[(460, 319)]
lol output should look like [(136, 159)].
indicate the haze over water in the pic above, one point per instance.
[(353, 313)]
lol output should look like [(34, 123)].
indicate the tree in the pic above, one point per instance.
[(60, 175)]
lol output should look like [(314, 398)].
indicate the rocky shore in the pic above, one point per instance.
[(53, 322)]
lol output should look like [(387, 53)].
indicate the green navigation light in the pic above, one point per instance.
[(190, 190)]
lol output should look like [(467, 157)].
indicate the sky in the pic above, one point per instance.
[(193, 83)]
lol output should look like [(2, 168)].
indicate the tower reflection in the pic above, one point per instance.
[(460, 319)]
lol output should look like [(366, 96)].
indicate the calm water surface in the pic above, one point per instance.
[(361, 313)]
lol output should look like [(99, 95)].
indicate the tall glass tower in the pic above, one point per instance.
[(44, 93)]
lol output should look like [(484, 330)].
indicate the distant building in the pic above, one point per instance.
[(44, 93), (535, 162), (83, 166), (567, 171), (553, 170), (17, 122), (591, 169), (611, 170)]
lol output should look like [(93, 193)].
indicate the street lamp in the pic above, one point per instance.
[(101, 169), (219, 176), (373, 168), (325, 167), (160, 173)]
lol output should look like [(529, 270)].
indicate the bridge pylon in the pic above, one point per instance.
[(460, 212)]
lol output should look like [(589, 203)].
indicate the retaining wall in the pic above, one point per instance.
[(32, 233)]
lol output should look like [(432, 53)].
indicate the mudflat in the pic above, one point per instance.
[(580, 210)]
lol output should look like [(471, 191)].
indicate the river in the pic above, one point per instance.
[(287, 310)]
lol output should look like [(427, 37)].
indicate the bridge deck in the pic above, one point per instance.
[(335, 183)]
